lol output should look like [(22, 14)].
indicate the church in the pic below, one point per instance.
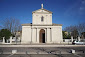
[(41, 30)]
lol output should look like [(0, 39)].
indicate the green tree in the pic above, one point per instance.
[(5, 33), (69, 36), (64, 35)]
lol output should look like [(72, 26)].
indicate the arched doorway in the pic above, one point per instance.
[(42, 36)]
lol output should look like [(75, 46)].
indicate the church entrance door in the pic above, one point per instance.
[(42, 36)]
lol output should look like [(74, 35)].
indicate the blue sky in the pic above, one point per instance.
[(66, 12)]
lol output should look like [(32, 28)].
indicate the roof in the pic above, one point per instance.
[(42, 9), (41, 24)]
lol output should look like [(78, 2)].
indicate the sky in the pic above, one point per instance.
[(65, 12)]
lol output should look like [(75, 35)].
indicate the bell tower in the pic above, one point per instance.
[(42, 16)]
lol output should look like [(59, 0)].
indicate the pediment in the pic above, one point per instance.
[(42, 11)]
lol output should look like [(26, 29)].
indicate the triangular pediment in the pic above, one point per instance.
[(42, 11)]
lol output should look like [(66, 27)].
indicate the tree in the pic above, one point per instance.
[(69, 36), (64, 35), (70, 28), (81, 28), (12, 24), (5, 33), (83, 35), (76, 30), (74, 33)]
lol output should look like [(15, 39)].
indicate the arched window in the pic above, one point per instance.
[(42, 18)]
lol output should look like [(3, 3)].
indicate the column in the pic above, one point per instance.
[(3, 40), (34, 35), (72, 38), (38, 35), (48, 35), (10, 39), (78, 38), (31, 35)]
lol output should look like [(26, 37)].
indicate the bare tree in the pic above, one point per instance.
[(12, 24), (76, 30), (83, 35), (74, 33), (81, 28), (0, 27), (70, 28)]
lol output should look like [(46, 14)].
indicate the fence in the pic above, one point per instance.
[(70, 40), (11, 40)]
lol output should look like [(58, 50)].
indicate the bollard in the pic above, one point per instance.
[(27, 52), (3, 40), (11, 40), (73, 51), (14, 51), (37, 52)]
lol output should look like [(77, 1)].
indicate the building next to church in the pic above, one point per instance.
[(41, 30)]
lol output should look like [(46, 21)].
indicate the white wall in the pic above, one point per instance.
[(34, 33), (48, 35), (57, 34), (26, 34), (37, 18), (53, 35)]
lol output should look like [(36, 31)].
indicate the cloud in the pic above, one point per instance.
[(76, 10), (83, 1), (82, 8)]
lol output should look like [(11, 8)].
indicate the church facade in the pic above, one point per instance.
[(41, 30)]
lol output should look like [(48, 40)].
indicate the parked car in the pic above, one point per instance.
[(78, 42)]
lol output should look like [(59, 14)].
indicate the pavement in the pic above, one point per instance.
[(44, 55), (42, 51), (41, 45)]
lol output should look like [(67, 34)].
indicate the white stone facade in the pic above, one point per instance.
[(37, 17), (41, 30)]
